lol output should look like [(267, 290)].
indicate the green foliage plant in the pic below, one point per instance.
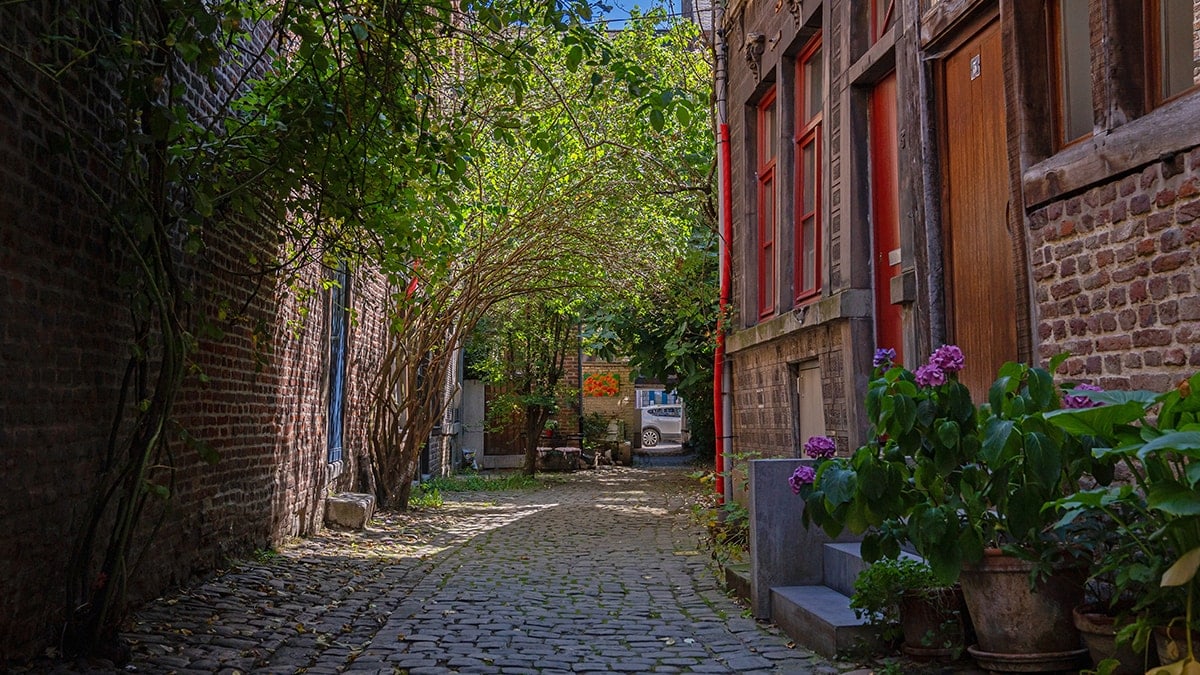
[(879, 588), (1156, 511), (951, 477)]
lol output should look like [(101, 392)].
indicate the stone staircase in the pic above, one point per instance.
[(797, 577)]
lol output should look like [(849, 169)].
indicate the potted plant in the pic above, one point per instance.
[(902, 598), (1156, 437), (966, 485)]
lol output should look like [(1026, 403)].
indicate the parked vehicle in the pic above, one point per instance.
[(662, 422)]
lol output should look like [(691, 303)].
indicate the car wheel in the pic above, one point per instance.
[(650, 438)]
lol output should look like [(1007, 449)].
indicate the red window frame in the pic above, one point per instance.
[(768, 215), (807, 221), (883, 16)]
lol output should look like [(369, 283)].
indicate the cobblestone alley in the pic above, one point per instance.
[(598, 573)]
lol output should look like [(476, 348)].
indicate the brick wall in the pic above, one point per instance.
[(623, 406), (63, 348), (763, 411), (1115, 272)]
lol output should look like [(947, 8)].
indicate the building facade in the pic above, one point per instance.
[(278, 384), (1018, 178)]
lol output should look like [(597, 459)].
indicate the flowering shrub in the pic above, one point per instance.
[(602, 384), (820, 447), (951, 477), (802, 476)]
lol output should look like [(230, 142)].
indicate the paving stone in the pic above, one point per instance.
[(580, 576)]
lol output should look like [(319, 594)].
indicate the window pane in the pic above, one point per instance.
[(769, 210), (1178, 49), (766, 127), (808, 177), (884, 15), (809, 254), (1076, 69), (815, 95)]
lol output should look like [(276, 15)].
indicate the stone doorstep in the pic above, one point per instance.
[(819, 618), (349, 509)]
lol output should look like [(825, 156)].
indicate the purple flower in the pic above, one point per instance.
[(949, 358), (820, 447), (930, 375), (884, 357), (1076, 402), (803, 475)]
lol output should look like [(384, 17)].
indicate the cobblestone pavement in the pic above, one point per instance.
[(598, 573)]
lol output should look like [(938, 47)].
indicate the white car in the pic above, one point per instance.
[(661, 422)]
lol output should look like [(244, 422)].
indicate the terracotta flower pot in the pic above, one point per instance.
[(932, 623), (1023, 630), (1172, 643), (1099, 631)]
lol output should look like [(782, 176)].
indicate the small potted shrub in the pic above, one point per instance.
[(902, 598)]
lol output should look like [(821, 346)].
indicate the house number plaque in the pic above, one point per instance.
[(975, 68)]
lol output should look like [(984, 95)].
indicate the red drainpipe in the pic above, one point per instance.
[(725, 195)]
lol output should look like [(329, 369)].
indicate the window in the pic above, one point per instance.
[(338, 332), (883, 16), (1071, 78), (1172, 57), (810, 101), (767, 215)]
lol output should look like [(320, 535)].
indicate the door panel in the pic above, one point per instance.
[(981, 280), (885, 214)]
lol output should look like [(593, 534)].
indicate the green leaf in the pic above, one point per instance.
[(1043, 459), (839, 484), (657, 121), (948, 433), (1183, 442), (682, 116), (574, 57), (1174, 499), (905, 414), (1024, 511), (1042, 388), (996, 435)]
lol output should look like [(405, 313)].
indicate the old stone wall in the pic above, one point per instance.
[(1115, 272)]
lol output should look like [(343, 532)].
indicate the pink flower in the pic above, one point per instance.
[(820, 447), (803, 475), (930, 375), (1078, 401), (949, 358)]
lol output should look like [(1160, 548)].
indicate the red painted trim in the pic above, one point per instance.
[(726, 193)]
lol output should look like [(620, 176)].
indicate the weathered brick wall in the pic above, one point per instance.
[(763, 414), (64, 343), (623, 406), (1116, 281)]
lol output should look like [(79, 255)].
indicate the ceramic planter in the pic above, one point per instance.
[(932, 623), (1019, 629), (1099, 631), (1172, 643)]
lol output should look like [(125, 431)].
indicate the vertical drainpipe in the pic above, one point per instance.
[(722, 380)]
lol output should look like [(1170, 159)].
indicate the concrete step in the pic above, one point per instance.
[(737, 580), (819, 618), (843, 562)]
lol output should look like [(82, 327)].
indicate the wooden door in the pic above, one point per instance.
[(981, 279), (885, 214)]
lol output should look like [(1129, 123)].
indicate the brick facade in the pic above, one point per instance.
[(1116, 277), (623, 406), (262, 403)]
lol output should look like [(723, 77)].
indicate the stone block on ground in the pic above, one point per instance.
[(349, 509)]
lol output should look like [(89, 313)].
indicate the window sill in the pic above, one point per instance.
[(333, 470), (851, 304), (1156, 135)]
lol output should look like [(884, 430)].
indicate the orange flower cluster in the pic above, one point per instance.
[(601, 384)]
